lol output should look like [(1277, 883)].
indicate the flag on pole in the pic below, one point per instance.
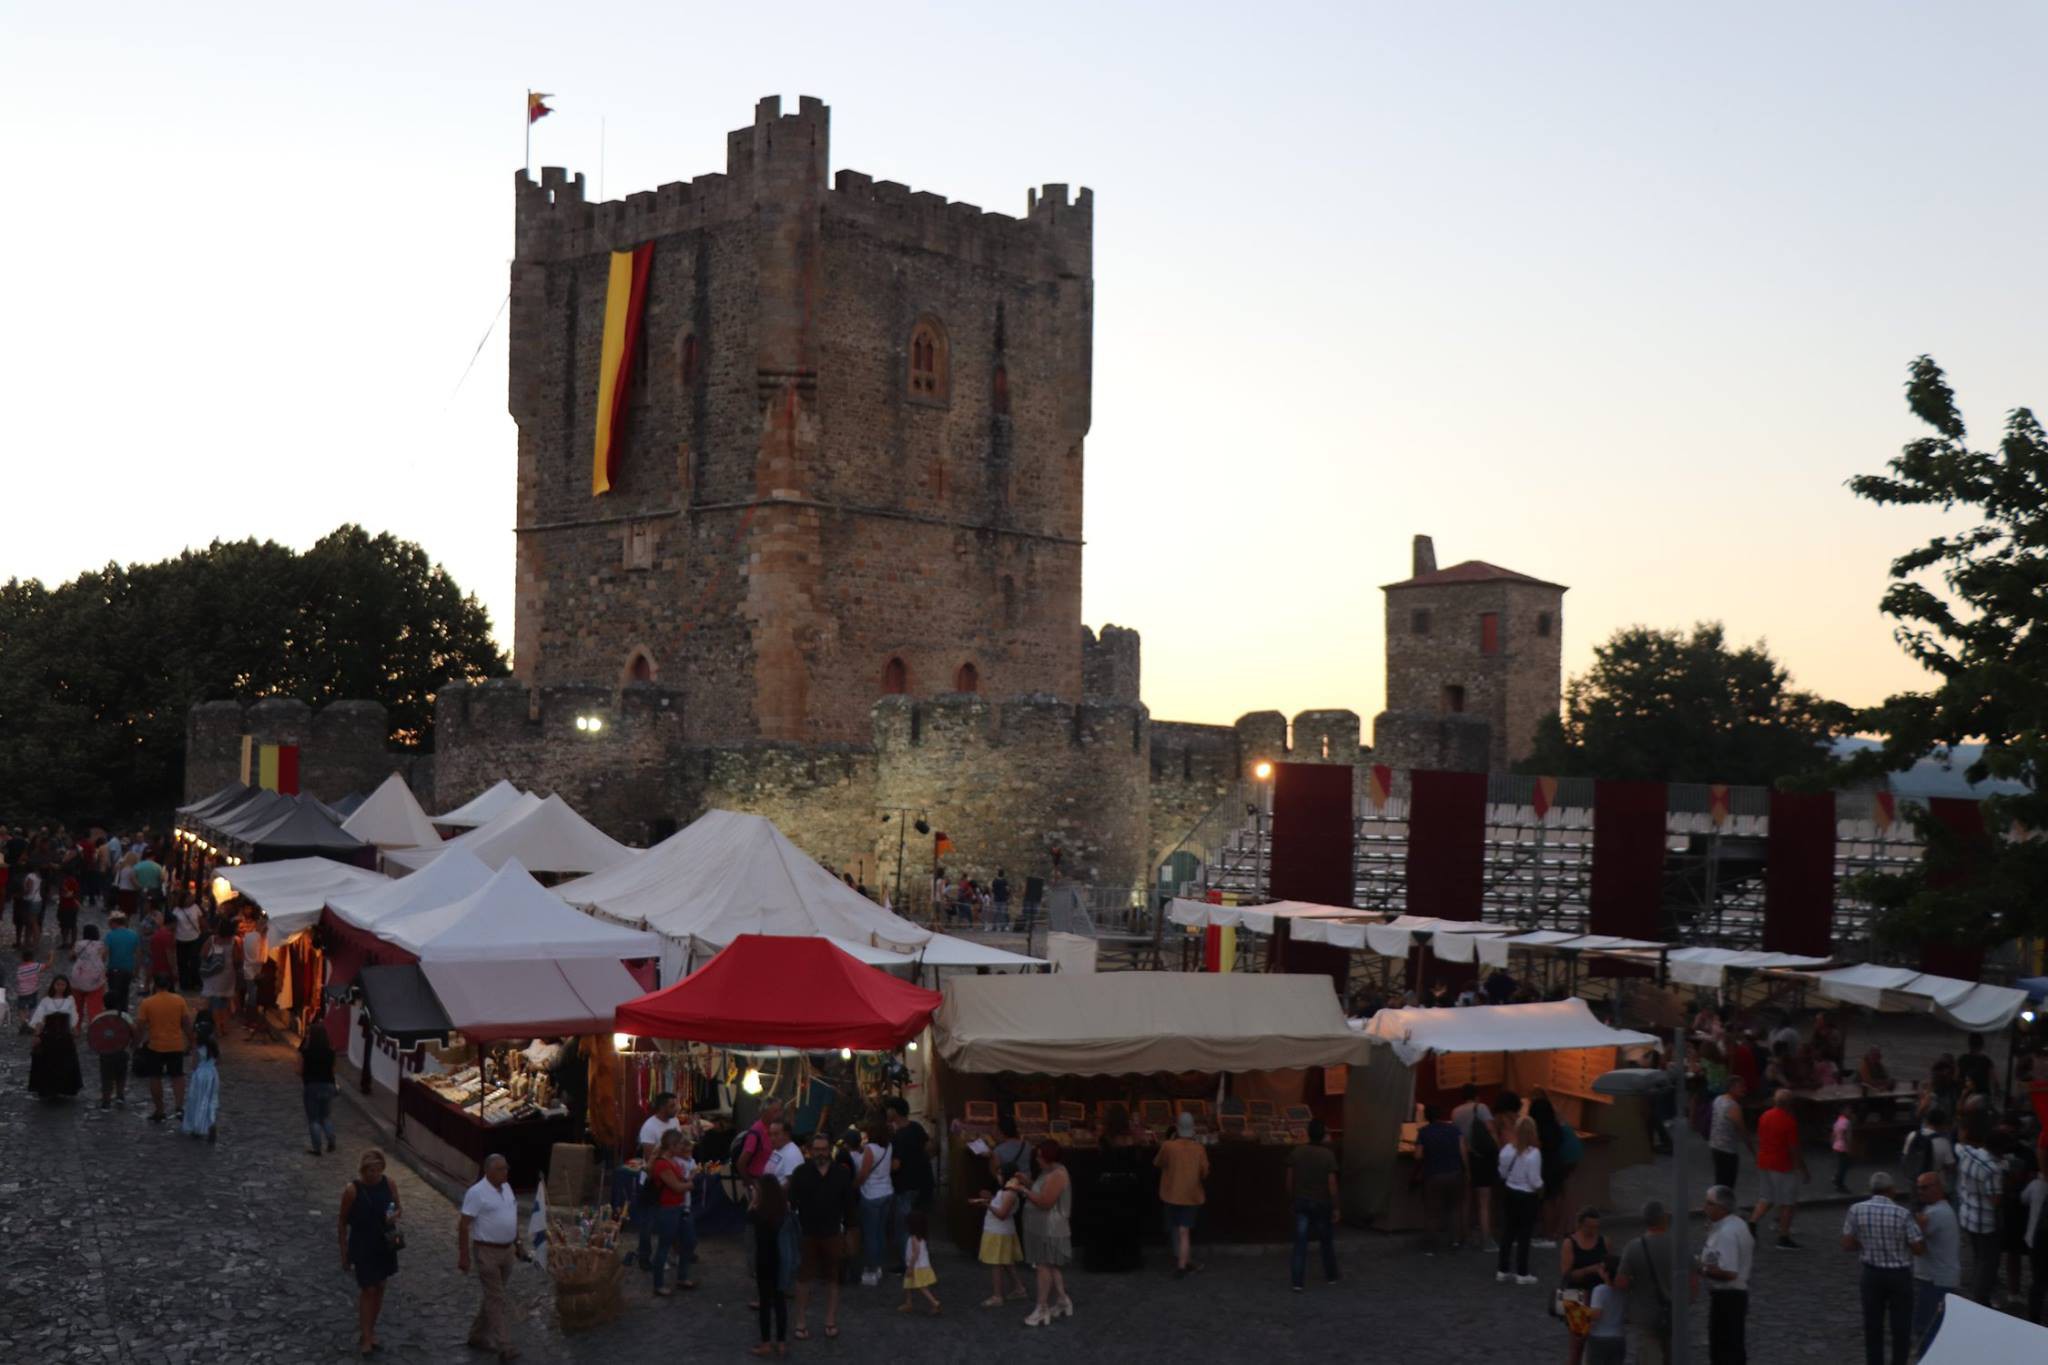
[(1380, 784), (1885, 812), (1717, 804), (1544, 797), (941, 845), (625, 296), (536, 109)]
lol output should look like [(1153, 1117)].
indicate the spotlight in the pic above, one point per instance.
[(583, 722), (846, 1054), (751, 1082), (912, 1045), (1262, 770), (2026, 1016), (622, 1041)]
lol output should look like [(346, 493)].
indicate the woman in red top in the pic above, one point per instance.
[(673, 1177)]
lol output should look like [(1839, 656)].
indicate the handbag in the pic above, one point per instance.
[(1564, 1296)]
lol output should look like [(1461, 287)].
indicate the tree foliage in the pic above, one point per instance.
[(96, 675), (1972, 609), (1685, 707)]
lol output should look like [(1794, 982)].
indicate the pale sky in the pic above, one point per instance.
[(1617, 295)]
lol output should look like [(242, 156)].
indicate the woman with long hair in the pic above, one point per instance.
[(316, 1085), (369, 1215), (1581, 1265), (202, 1093), (53, 1066), (1048, 1232), (89, 974), (1521, 1178)]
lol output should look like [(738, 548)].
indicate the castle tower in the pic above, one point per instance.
[(851, 455), (1471, 646)]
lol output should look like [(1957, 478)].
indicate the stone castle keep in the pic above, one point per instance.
[(838, 573)]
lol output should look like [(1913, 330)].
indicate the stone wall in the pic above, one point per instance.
[(1109, 664), (768, 583), (1011, 781), (1433, 644), (821, 796), (617, 777), (344, 747)]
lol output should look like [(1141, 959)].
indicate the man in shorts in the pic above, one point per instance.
[(821, 1192), (166, 1037), (1780, 1167)]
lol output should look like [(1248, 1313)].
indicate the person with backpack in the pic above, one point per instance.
[(1645, 1278), (1928, 1148), (1474, 1122)]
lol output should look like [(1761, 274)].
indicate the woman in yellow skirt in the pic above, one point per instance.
[(917, 1264), (1001, 1252)]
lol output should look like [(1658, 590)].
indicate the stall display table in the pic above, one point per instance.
[(457, 1138)]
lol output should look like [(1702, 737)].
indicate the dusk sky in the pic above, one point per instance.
[(1616, 295)]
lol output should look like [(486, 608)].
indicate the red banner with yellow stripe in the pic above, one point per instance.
[(625, 296)]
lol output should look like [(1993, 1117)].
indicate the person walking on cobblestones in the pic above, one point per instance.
[(202, 1096), (1780, 1167), (1726, 1133), (369, 1214), (1980, 1183), (1939, 1272), (316, 1085), (1725, 1264), (1886, 1239), (1312, 1181), (124, 954), (770, 1211), (1048, 1232), (1646, 1279), (166, 1038), (1440, 1160), (89, 974), (1183, 1165), (1581, 1266), (489, 1227)]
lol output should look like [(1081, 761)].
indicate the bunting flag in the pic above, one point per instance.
[(1717, 804), (536, 110), (1885, 812), (1219, 948), (1380, 784), (1544, 797), (625, 295), (278, 769), (941, 845), (248, 759)]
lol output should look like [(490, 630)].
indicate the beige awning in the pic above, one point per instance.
[(1115, 1023)]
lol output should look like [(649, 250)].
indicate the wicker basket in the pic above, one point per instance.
[(589, 1276)]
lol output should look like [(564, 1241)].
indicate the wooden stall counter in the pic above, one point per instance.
[(458, 1138)]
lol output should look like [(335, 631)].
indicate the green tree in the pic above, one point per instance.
[(1972, 609), (96, 675), (1685, 707)]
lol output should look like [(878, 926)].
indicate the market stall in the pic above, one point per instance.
[(726, 875), (1254, 1057), (1431, 1054), (546, 837), (390, 817), (495, 801)]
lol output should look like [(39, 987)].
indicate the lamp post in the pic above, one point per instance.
[(1648, 1083), (1262, 772)]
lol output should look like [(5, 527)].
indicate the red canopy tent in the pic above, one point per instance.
[(784, 992)]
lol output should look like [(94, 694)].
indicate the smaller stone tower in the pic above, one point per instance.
[(1474, 661)]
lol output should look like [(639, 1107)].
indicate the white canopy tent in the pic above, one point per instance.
[(485, 807), (940, 950), (512, 918), (292, 890), (1972, 1334), (1551, 1025), (1345, 927), (1971, 1005), (391, 818), (450, 877), (548, 836), (728, 874)]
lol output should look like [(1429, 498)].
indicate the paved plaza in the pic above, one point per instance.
[(125, 1241)]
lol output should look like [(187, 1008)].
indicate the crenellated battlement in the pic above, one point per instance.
[(508, 708), (789, 154), (968, 720)]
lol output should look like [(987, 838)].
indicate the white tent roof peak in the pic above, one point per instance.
[(543, 834), (509, 918), (728, 874), (1414, 1033), (451, 876), (484, 807), (391, 818)]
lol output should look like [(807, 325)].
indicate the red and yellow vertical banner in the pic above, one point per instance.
[(1380, 784), (625, 296), (1717, 804), (1219, 948), (278, 769), (1544, 796), (1885, 812), (248, 759)]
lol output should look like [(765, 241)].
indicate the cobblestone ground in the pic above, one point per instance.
[(124, 1241)]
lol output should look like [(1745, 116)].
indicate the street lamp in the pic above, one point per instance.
[(1262, 771), (1649, 1083)]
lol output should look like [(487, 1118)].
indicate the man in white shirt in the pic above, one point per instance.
[(490, 1225), (662, 1120), (785, 1156), (1725, 1262)]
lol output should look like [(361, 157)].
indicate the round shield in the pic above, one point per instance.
[(109, 1032)]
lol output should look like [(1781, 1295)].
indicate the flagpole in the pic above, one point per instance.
[(529, 135)]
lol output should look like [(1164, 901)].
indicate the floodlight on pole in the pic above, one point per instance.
[(1262, 770)]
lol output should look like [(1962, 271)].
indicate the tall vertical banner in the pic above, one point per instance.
[(1628, 859), (278, 769), (248, 759), (1799, 874), (625, 297), (1312, 833), (1964, 819), (1446, 844)]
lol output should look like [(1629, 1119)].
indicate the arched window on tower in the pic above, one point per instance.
[(929, 381), (895, 678), (967, 679), (1002, 391), (639, 667)]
